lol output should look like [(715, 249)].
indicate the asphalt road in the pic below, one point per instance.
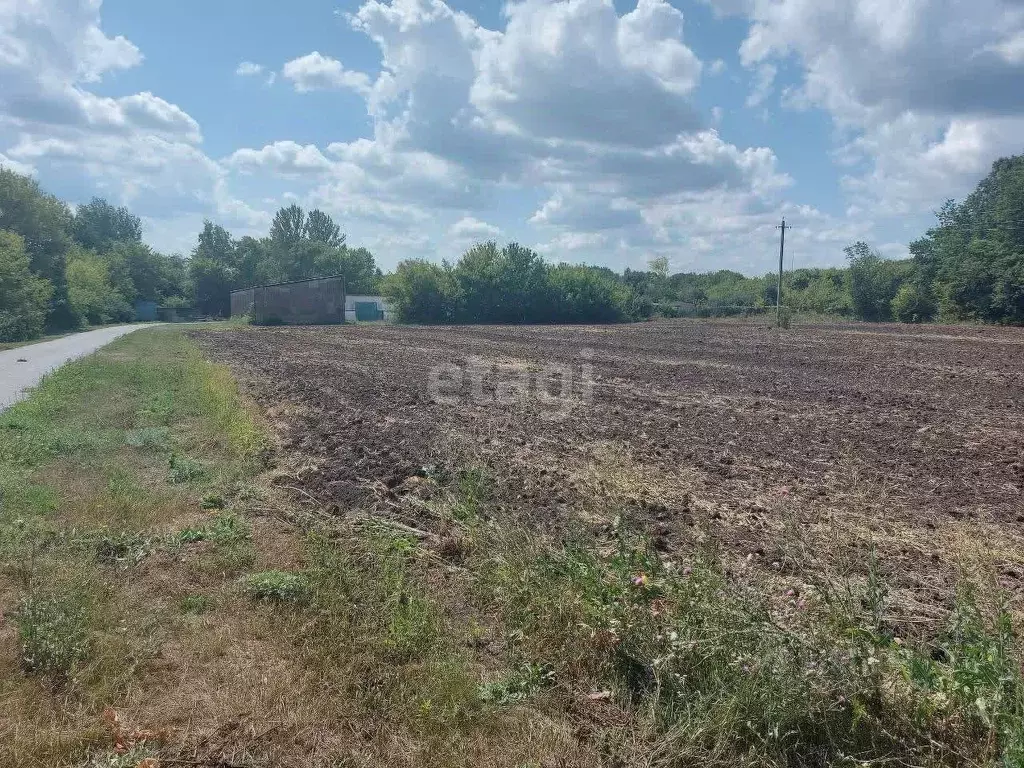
[(23, 367)]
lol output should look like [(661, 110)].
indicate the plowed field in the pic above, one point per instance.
[(804, 447)]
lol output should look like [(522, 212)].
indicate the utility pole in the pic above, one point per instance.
[(778, 292)]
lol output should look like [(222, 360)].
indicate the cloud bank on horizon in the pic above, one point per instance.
[(590, 132)]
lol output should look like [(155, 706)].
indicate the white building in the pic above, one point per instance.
[(367, 309)]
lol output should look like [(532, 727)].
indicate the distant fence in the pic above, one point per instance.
[(317, 301)]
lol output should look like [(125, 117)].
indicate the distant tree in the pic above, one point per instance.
[(253, 264), (93, 297), (581, 294), (24, 297), (212, 282), (43, 222), (216, 245), (423, 292), (97, 225), (912, 303), (874, 281), (658, 266), (212, 270), (320, 228), (288, 227)]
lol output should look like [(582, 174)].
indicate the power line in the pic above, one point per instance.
[(778, 290)]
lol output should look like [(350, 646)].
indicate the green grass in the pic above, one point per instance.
[(97, 467)]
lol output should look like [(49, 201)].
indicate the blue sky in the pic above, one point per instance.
[(593, 131)]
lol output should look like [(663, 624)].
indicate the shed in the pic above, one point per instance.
[(317, 301)]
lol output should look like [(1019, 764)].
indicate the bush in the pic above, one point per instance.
[(423, 292), (24, 298), (912, 304)]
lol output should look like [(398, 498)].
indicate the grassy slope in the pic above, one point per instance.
[(147, 565)]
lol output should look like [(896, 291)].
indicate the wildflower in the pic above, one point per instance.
[(687, 571), (640, 580), (791, 593)]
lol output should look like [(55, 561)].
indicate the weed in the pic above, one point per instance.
[(228, 533), (195, 604), (213, 501), (53, 632), (520, 684), (186, 470), (154, 439), (276, 586), (123, 549), (724, 679)]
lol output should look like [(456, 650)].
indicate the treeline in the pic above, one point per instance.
[(62, 269), (970, 267), (509, 285)]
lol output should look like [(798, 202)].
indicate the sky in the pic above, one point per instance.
[(593, 131)]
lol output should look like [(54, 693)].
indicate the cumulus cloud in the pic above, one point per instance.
[(594, 106), (315, 72), (283, 157), (469, 228), (927, 91), (50, 50), (578, 71)]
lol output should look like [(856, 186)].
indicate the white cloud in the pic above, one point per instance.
[(926, 93), (17, 166), (315, 72), (577, 71), (284, 157), (469, 228), (249, 69)]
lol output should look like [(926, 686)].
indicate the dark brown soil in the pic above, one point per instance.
[(805, 445)]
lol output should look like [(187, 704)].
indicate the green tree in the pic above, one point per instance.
[(216, 245), (874, 282), (43, 222), (288, 227), (92, 296), (581, 294), (973, 260), (423, 292), (24, 297), (912, 303), (212, 282), (321, 228), (97, 225)]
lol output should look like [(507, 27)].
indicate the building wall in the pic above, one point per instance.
[(242, 301), (382, 303)]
